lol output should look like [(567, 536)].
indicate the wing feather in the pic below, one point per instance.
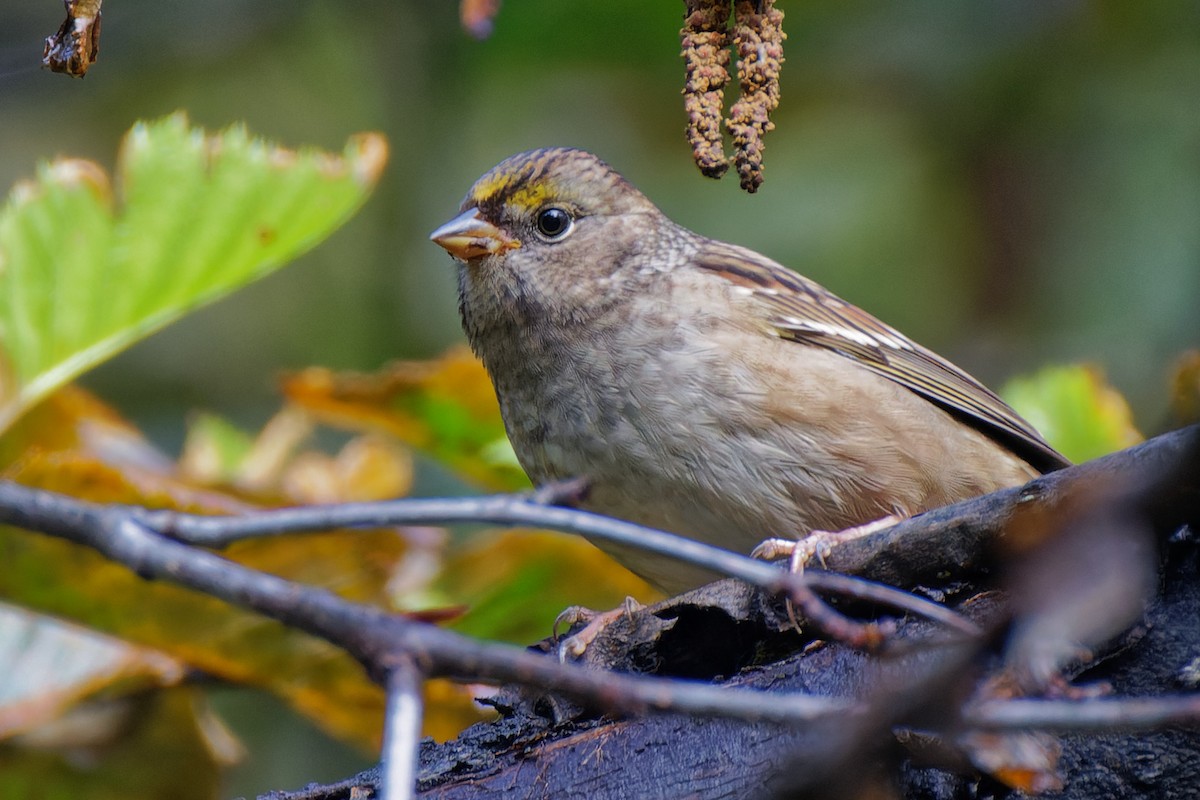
[(804, 312)]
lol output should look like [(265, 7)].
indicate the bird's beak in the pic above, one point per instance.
[(470, 236)]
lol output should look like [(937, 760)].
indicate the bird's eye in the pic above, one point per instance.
[(553, 223)]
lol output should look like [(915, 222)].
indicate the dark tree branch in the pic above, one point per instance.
[(924, 690), (956, 543)]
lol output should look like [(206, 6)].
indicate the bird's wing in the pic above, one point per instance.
[(805, 312)]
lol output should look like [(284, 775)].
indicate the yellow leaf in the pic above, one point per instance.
[(444, 407), (75, 445)]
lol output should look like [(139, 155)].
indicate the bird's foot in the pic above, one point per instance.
[(817, 544), (569, 492), (574, 646)]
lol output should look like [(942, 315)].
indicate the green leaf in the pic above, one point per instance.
[(515, 582), (84, 275), (215, 447), (1077, 411), (445, 407)]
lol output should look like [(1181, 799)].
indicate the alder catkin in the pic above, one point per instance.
[(758, 36), (705, 39)]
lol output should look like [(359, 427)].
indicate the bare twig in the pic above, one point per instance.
[(374, 637), (1090, 715), (378, 639), (402, 731), (523, 511), (860, 635)]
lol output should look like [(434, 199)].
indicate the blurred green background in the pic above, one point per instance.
[(1011, 183)]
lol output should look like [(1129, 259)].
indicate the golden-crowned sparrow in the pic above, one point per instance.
[(698, 386)]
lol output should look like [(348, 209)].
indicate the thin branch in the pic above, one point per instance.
[(1090, 715), (374, 637), (402, 732), (904, 554), (377, 639), (519, 510)]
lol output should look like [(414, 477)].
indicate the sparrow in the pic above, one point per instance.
[(698, 386)]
